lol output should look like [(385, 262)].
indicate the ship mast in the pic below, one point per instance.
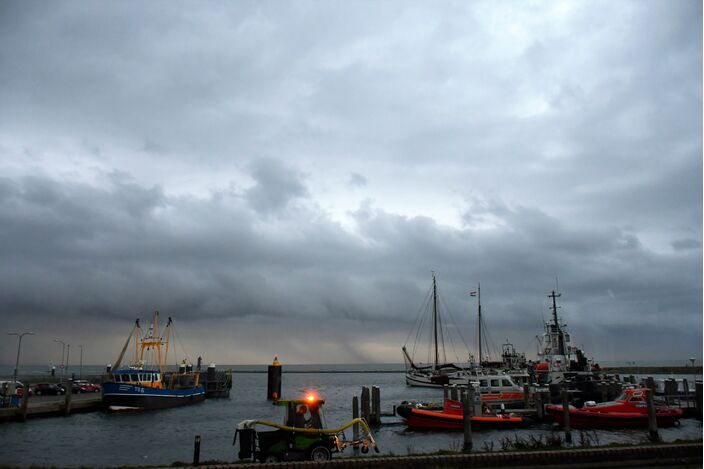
[(435, 321), (479, 314), (556, 324)]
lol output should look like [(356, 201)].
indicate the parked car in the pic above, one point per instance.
[(85, 386), (19, 388), (49, 389)]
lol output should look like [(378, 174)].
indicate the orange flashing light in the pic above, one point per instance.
[(310, 398)]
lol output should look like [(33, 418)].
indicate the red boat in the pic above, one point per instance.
[(450, 417), (628, 410)]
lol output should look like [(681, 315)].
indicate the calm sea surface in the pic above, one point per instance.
[(165, 436)]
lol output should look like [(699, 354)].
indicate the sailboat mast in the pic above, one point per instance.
[(479, 314), (435, 320)]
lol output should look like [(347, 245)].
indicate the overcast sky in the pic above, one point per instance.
[(282, 177)]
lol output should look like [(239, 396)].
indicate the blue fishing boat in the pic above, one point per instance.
[(146, 384)]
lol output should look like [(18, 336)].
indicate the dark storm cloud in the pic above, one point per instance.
[(77, 251), (275, 186), (309, 164)]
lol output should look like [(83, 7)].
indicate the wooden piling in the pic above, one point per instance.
[(698, 398), (67, 398), (604, 390), (467, 411), (22, 415), (355, 427), (364, 398), (539, 406), (566, 415), (685, 389), (376, 406), (652, 420), (196, 450)]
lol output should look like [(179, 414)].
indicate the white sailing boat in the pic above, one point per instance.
[(492, 384)]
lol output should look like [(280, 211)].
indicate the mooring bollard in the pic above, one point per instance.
[(365, 403), (196, 451), (652, 419), (355, 427), (273, 388), (467, 410), (67, 397), (566, 416), (376, 405)]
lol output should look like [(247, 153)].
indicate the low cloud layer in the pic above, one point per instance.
[(284, 180)]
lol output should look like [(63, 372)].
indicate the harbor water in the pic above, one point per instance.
[(166, 436)]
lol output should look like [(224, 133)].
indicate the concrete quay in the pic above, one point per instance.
[(52, 406)]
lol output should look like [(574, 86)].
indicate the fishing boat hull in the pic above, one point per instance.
[(579, 418), (424, 419), (136, 397)]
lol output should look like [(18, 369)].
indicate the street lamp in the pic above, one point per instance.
[(17, 362), (80, 367), (63, 348)]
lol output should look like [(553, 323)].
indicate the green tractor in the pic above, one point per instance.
[(301, 437)]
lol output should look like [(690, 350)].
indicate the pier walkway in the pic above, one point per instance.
[(664, 455)]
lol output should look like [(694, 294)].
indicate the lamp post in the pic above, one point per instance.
[(80, 367), (63, 348), (19, 345), (68, 352)]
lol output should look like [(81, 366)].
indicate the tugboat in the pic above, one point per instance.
[(558, 360), (146, 384), (628, 410), (302, 436), (562, 365)]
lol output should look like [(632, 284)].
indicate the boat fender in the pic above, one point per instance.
[(589, 404), (365, 449)]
